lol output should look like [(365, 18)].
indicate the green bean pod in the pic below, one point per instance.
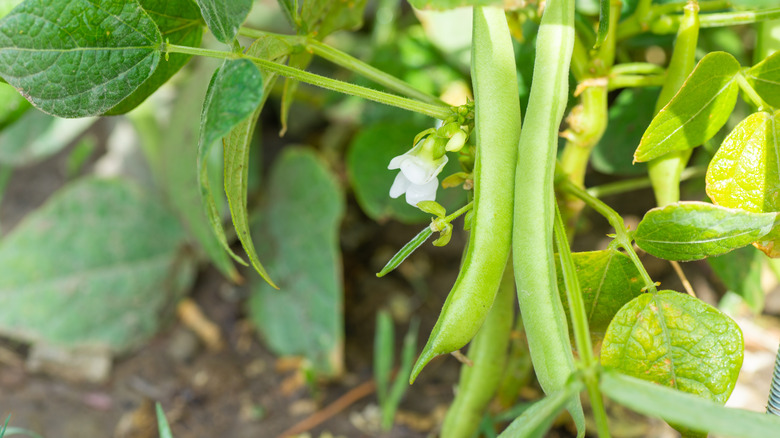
[(497, 124), (488, 352), (665, 171), (532, 236)]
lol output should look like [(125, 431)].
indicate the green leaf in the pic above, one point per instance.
[(179, 23), (234, 93), (764, 77), (678, 341), (451, 4), (687, 410), (740, 272), (367, 159), (38, 135), (384, 344), (163, 429), (401, 382), (608, 280), (694, 230), (224, 17), (78, 58), (323, 17), (96, 265), (629, 114), (180, 182), (237, 144), (536, 420), (745, 171), (298, 234), (697, 111), (12, 105)]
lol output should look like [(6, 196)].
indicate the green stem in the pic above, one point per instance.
[(460, 211), (637, 68), (622, 236), (350, 63), (435, 111), (751, 94), (634, 81), (659, 21), (579, 318), (628, 185)]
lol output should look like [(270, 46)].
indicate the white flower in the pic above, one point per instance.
[(417, 177)]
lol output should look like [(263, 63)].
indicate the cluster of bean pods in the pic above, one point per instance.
[(513, 210)]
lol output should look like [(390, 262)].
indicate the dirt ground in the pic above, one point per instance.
[(244, 391)]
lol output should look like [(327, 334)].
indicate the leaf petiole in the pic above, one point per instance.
[(438, 111), (622, 235), (751, 94)]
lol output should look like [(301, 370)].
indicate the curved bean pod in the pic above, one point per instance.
[(488, 351), (497, 124)]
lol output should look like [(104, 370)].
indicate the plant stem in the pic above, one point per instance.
[(458, 212), (637, 68), (628, 185), (622, 236), (751, 94), (436, 111), (633, 81), (658, 20), (579, 324), (349, 62)]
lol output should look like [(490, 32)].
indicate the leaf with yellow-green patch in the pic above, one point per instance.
[(678, 341), (745, 171)]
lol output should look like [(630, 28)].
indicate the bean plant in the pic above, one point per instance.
[(557, 67)]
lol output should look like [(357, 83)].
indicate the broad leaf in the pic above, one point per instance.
[(678, 341), (235, 92), (608, 280), (38, 135), (177, 146), (367, 159), (12, 105), (179, 23), (78, 58), (745, 171), (631, 112), (298, 234), (451, 4), (764, 77), (686, 410), (740, 272), (694, 230), (696, 112), (224, 17), (237, 144), (94, 266)]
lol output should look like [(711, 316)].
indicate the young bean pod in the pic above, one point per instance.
[(488, 351), (497, 124), (665, 171), (532, 237)]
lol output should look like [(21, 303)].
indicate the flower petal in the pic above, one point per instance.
[(400, 185), (396, 162), (422, 192)]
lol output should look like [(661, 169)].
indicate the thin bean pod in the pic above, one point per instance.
[(497, 124), (488, 351), (532, 242)]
